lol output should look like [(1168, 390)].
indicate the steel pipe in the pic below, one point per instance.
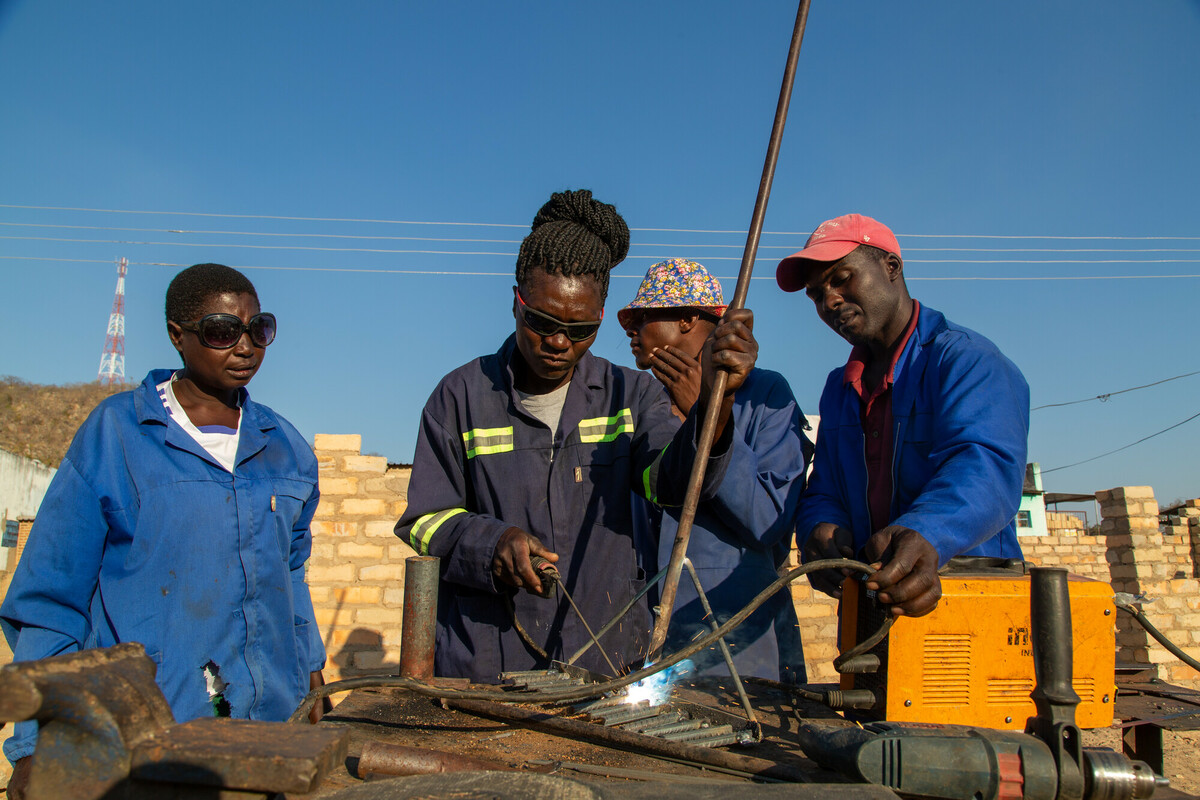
[(420, 617)]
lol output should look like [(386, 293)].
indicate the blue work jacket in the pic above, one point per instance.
[(743, 534), (483, 464), (143, 537), (960, 412)]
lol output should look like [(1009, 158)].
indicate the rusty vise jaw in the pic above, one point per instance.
[(93, 708)]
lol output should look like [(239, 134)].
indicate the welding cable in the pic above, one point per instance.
[(589, 690), (1157, 634), (520, 629)]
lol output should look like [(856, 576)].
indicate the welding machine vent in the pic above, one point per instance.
[(947, 670)]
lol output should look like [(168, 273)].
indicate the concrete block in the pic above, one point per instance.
[(333, 442), (342, 573), (400, 551), (377, 616), (397, 479), (369, 659), (382, 572), (359, 595), (365, 464), (1133, 492), (813, 611), (393, 596), (330, 485), (364, 507), (361, 552), (380, 528), (1103, 496)]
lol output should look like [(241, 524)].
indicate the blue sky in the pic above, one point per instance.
[(943, 119)]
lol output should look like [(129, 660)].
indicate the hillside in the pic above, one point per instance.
[(39, 421)]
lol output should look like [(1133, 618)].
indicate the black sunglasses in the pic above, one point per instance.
[(222, 331), (546, 325)]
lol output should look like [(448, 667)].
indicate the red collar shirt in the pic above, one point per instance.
[(878, 437)]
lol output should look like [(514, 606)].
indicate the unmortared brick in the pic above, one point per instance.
[(338, 442)]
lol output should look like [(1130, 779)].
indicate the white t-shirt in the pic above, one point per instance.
[(219, 441)]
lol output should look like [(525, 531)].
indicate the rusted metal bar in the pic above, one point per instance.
[(707, 432), (242, 754), (634, 742), (420, 617), (381, 758)]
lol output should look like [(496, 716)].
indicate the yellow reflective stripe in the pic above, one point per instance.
[(424, 528), (605, 429), (485, 441), (650, 476)]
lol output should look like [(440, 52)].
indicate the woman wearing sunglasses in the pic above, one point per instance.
[(179, 519), (536, 450)]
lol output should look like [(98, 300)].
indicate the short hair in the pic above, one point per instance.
[(573, 234), (191, 289), (877, 253)]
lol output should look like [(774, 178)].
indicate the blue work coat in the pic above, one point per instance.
[(960, 413), (484, 464), (143, 537), (742, 536)]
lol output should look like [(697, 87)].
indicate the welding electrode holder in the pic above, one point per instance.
[(547, 573)]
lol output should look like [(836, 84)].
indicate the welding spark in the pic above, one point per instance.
[(657, 688)]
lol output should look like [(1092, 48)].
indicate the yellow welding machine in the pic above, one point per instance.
[(970, 661)]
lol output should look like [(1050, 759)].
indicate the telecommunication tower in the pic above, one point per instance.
[(112, 361)]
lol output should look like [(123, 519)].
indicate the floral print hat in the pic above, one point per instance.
[(676, 283)]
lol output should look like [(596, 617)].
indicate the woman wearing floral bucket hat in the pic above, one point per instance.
[(742, 535)]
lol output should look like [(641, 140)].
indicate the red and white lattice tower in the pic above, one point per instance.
[(112, 362)]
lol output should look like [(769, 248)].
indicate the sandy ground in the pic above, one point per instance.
[(1180, 750)]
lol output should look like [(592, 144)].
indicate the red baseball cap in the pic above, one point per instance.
[(832, 240)]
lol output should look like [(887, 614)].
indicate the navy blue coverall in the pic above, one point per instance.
[(483, 464)]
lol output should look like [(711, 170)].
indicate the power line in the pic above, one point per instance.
[(509, 273), (401, 251), (516, 225), (1103, 398), (1126, 447), (383, 237)]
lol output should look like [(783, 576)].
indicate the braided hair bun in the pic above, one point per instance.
[(573, 234)]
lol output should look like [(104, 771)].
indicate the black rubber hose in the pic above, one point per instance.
[(592, 689), (1159, 637)]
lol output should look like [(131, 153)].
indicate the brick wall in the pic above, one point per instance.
[(357, 570)]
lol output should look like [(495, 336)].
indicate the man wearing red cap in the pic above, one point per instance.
[(921, 451)]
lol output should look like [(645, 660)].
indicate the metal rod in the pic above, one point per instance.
[(733, 673), (383, 758), (615, 672), (707, 432), (620, 614), (420, 617), (635, 742)]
